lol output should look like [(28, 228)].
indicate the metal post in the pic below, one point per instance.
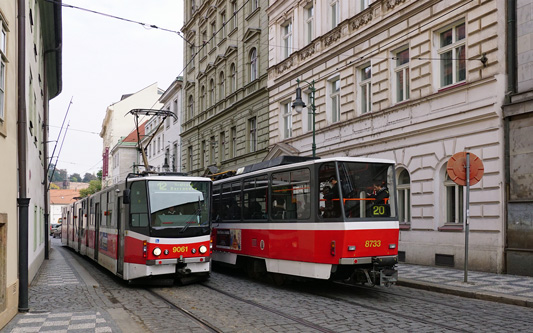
[(467, 213), (313, 108)]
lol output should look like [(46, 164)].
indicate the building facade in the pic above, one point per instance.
[(30, 75), (412, 81), (225, 114), (117, 123), (518, 115)]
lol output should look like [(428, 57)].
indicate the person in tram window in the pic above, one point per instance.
[(327, 209), (279, 208), (380, 193), (333, 197)]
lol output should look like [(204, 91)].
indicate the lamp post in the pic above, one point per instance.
[(298, 104)]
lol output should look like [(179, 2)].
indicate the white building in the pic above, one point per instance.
[(118, 123), (413, 81), (124, 155)]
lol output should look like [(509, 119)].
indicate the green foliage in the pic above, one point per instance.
[(99, 174), (54, 186), (94, 186), (88, 177), (75, 177)]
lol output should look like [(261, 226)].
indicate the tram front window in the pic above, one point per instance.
[(363, 190), (179, 207)]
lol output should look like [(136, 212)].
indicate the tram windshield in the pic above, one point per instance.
[(362, 190), (180, 205)]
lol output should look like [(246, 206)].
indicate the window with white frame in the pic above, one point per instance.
[(365, 88), (451, 52), (365, 4), (254, 4), (252, 137), (203, 42), (404, 196), (253, 64), (335, 99), (286, 112), (222, 148), (175, 109), (233, 20), (401, 75), (221, 86), (213, 33), (309, 23), (286, 32), (454, 201), (202, 99), (334, 9), (202, 154), (212, 146), (233, 78)]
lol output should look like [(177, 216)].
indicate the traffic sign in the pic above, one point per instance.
[(457, 168)]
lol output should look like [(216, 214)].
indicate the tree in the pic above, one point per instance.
[(54, 186), (88, 177), (94, 186), (59, 174), (99, 174), (75, 177)]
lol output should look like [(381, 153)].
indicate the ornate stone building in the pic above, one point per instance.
[(225, 114), (413, 81)]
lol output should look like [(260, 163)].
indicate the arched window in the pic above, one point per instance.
[(222, 87), (233, 74), (253, 64), (404, 196), (211, 92), (191, 107), (202, 99)]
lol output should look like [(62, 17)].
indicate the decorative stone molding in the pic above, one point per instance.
[(331, 38), (361, 20), (390, 4), (307, 52), (287, 64)]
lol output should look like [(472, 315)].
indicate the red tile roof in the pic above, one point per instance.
[(63, 197)]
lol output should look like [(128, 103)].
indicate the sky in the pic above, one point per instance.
[(104, 58)]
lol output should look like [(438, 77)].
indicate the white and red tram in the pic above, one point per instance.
[(313, 218), (149, 225)]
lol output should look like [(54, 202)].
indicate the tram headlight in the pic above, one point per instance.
[(156, 252), (203, 249)]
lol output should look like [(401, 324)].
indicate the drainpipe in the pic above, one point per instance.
[(22, 200), (512, 88)]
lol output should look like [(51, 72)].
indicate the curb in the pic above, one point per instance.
[(463, 292)]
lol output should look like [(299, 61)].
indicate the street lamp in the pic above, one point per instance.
[(298, 104)]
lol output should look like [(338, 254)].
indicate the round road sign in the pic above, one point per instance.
[(457, 168)]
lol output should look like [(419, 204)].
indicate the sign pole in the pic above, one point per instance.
[(467, 213)]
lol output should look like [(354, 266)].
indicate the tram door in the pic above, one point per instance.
[(120, 228), (96, 229)]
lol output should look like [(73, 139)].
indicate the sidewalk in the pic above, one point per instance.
[(65, 298), (502, 288)]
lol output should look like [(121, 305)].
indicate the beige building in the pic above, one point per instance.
[(30, 75), (414, 81), (225, 114), (117, 123)]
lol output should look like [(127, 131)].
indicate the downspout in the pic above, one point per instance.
[(511, 57), (22, 200)]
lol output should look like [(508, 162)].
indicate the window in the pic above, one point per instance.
[(190, 157), (287, 39), (223, 24), (175, 109), (202, 154), (309, 23), (192, 54), (175, 157), (252, 125), (253, 64), (365, 88), (222, 148), (233, 141), (334, 13), (365, 4), (203, 42), (291, 195), (202, 99), (221, 87), (404, 196), (212, 146), (233, 76), (233, 20), (213, 33), (334, 98), (401, 75), (254, 4), (454, 201), (3, 53), (255, 192), (452, 55), (287, 119), (191, 107), (211, 92), (193, 7), (138, 205)]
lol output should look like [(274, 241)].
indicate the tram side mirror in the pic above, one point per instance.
[(126, 196)]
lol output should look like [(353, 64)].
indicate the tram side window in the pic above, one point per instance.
[(217, 203), (329, 198), (231, 201), (138, 205), (290, 195), (110, 208), (103, 200), (255, 198)]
